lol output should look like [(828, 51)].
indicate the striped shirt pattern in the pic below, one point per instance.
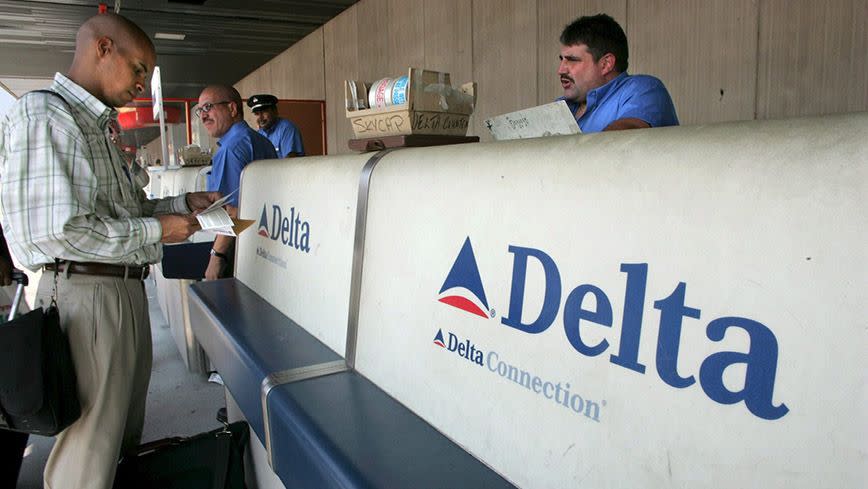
[(65, 190)]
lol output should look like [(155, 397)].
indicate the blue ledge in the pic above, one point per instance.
[(247, 339), (342, 431), (335, 431)]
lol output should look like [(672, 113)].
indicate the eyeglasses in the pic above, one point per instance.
[(207, 107)]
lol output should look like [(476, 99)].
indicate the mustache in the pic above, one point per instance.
[(567, 78)]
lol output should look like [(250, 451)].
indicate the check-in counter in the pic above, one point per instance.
[(674, 307), (171, 291)]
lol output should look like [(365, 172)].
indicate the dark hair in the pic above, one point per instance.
[(602, 35)]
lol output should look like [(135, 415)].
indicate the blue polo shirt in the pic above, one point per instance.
[(238, 147), (627, 96), (285, 137)]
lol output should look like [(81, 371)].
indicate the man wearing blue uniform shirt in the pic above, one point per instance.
[(597, 88), (282, 133), (221, 111)]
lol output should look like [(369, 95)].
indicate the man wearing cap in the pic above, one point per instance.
[(597, 88), (221, 112), (282, 133)]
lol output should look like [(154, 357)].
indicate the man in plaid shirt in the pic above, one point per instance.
[(67, 194)]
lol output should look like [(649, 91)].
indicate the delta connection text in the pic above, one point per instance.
[(559, 392), (759, 362)]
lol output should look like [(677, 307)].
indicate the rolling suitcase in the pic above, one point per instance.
[(37, 378), (212, 460), (12, 446)]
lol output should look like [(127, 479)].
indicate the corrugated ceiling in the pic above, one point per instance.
[(225, 39)]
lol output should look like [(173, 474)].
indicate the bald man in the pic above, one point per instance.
[(71, 208), (220, 110)]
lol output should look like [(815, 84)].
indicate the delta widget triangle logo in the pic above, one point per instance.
[(463, 286), (263, 223), (438, 339)]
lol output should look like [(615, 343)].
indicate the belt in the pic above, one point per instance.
[(136, 272)]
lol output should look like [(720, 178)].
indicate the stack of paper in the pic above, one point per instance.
[(215, 219)]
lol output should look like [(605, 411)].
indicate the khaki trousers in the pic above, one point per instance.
[(106, 320)]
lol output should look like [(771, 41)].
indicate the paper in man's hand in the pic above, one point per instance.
[(215, 219), (552, 119)]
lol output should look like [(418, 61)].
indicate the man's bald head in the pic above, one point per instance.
[(225, 92), (219, 109), (115, 26), (113, 58)]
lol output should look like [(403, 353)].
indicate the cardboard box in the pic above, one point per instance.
[(432, 107)]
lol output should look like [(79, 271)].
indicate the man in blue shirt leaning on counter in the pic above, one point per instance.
[(597, 88), (221, 111), (282, 133)]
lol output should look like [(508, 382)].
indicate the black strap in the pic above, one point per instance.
[(222, 256), (52, 92), (65, 102), (69, 108), (223, 457)]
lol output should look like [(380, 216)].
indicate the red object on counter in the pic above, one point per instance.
[(138, 117)]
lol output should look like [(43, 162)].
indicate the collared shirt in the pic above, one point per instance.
[(64, 188), (285, 137), (626, 96), (238, 147)]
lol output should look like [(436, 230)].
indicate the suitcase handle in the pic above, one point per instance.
[(20, 277)]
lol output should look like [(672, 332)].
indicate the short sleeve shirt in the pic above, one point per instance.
[(627, 96), (285, 137), (238, 147)]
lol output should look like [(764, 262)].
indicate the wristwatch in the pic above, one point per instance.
[(222, 256)]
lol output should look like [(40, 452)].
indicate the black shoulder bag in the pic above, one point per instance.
[(37, 377), (38, 391)]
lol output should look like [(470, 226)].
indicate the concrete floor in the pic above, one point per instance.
[(179, 403)]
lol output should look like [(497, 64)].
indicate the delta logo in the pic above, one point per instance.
[(586, 311), (463, 286), (464, 349), (263, 223), (288, 229), (438, 339)]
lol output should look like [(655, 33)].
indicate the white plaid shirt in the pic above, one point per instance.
[(65, 191)]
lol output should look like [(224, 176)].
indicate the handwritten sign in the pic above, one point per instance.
[(552, 119), (443, 123), (382, 124), (410, 122)]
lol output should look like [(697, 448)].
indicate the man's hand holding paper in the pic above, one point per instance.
[(215, 218), (198, 201)]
